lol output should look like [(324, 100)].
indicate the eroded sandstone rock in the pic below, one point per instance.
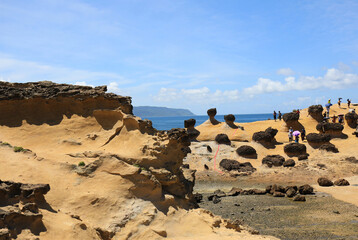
[(246, 152), (266, 138), (295, 149), (273, 160), (315, 111), (315, 140)]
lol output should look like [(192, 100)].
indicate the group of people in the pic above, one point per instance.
[(296, 134), (275, 115), (339, 102)]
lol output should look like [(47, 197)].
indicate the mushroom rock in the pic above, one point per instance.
[(315, 140), (222, 139), (229, 120), (192, 132), (291, 120), (333, 129), (266, 138), (212, 113), (315, 111), (351, 119), (247, 152), (295, 149)]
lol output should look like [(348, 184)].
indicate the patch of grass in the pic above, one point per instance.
[(81, 164), (138, 166), (6, 144), (19, 149)]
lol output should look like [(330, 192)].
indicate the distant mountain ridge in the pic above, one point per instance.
[(150, 111)]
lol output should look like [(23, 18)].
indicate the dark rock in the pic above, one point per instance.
[(209, 149), (324, 182), (266, 138), (352, 159), (206, 167), (273, 160), (277, 188), (32, 207), (351, 119), (341, 182), (315, 111), (211, 112), (186, 150), (289, 163), (336, 212), (329, 147), (299, 198), (293, 187), (189, 123), (198, 197), (216, 199), (192, 132), (291, 192), (295, 149), (268, 188), (230, 165), (258, 191), (278, 194), (305, 189), (234, 191), (333, 129), (210, 197), (246, 151), (292, 116), (317, 139), (303, 157), (229, 118), (222, 139)]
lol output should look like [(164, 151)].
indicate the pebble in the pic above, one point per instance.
[(336, 212)]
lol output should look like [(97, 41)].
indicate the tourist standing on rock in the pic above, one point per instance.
[(349, 103), (334, 118), (290, 134), (328, 106), (279, 115), (274, 115), (339, 102), (340, 118), (303, 134), (298, 111)]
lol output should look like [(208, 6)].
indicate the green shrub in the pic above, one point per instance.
[(19, 149), (81, 164), (6, 144)]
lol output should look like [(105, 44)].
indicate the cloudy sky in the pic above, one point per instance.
[(238, 56)]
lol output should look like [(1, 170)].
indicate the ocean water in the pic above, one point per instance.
[(167, 123)]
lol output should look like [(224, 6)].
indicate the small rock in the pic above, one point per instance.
[(278, 194), (289, 163), (76, 217), (219, 193), (216, 199), (209, 149), (268, 209), (305, 189), (299, 198), (324, 182), (237, 205), (336, 212), (206, 167), (291, 192), (341, 182), (234, 191)]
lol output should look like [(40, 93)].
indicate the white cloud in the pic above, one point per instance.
[(113, 88), (197, 95), (83, 84), (333, 79), (285, 72)]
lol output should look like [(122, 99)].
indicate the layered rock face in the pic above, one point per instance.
[(48, 102), (315, 111)]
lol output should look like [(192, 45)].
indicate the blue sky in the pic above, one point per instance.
[(237, 56)]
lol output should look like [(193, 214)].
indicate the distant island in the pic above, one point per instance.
[(149, 111)]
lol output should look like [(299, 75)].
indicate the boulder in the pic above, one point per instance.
[(351, 119), (329, 147), (299, 198), (273, 160), (289, 163), (295, 149), (229, 118), (333, 129), (212, 113), (324, 182), (305, 189), (230, 165), (246, 152), (266, 138), (192, 132), (315, 140), (341, 182), (291, 192), (315, 111), (222, 139)]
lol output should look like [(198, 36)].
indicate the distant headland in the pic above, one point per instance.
[(150, 111)]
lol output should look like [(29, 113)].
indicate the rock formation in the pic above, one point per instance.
[(273, 160), (333, 129), (351, 119), (324, 182), (192, 132), (246, 152), (295, 149), (315, 111), (230, 121), (232, 165), (329, 147), (315, 140), (222, 139), (212, 113), (266, 138), (291, 120), (289, 163), (341, 182), (47, 102)]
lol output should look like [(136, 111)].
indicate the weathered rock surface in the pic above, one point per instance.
[(266, 138), (324, 182), (289, 163), (295, 149), (315, 140), (329, 147), (246, 152), (222, 139), (273, 160), (341, 182), (315, 111), (305, 189), (48, 102), (232, 165), (190, 128), (351, 119), (333, 129)]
